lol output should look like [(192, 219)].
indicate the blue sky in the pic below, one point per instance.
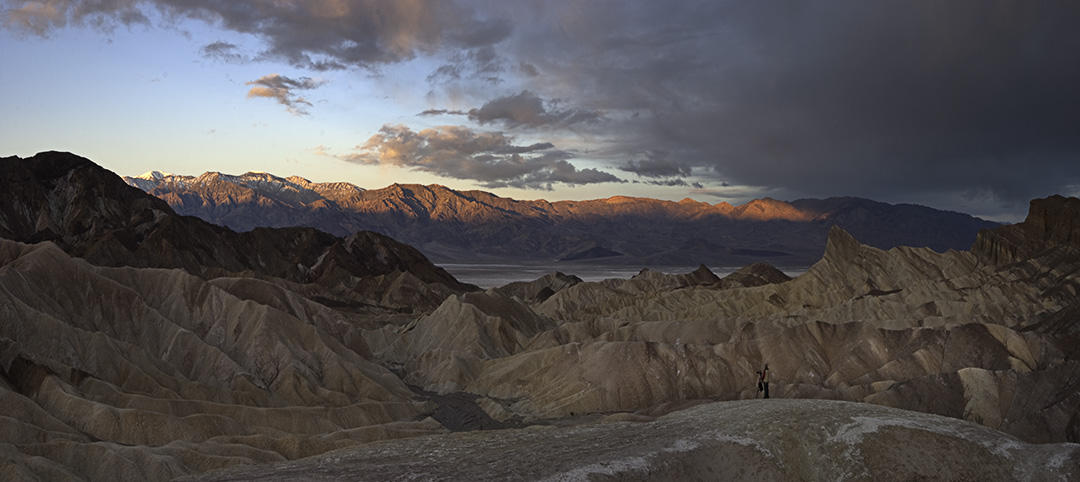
[(139, 98), (955, 106)]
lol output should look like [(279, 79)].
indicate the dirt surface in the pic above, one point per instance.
[(743, 440)]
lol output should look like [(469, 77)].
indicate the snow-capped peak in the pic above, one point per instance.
[(153, 175)]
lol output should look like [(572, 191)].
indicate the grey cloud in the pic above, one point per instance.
[(669, 182), (441, 112), (528, 109), (283, 89), (657, 164), (735, 193), (481, 63), (488, 157), (528, 69), (222, 51), (322, 35), (41, 17)]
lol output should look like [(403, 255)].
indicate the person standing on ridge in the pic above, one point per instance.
[(763, 381)]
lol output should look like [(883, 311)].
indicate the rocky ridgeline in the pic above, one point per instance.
[(466, 226)]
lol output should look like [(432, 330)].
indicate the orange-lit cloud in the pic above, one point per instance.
[(282, 89)]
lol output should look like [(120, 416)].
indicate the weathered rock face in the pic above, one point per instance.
[(134, 373), (91, 213), (462, 226), (749, 440), (1051, 222), (171, 346), (757, 274)]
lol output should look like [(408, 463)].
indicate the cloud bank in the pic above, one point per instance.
[(317, 35), (491, 158)]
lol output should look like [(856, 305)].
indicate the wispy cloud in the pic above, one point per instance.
[(222, 51), (283, 89), (442, 112), (492, 158)]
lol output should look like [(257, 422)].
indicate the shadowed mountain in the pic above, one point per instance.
[(91, 213), (465, 226)]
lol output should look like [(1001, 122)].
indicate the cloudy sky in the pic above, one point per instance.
[(964, 105)]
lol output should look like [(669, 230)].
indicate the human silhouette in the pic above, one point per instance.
[(763, 381)]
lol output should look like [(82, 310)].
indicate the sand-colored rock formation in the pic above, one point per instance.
[(180, 372), (540, 289)]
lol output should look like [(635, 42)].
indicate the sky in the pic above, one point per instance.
[(972, 106)]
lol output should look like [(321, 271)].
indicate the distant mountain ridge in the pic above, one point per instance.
[(475, 226)]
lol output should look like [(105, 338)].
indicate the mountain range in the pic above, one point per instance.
[(476, 226), (140, 344)]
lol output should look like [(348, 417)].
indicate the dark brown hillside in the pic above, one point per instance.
[(93, 214)]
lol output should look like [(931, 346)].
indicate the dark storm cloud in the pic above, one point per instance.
[(319, 35), (892, 99), (528, 109), (462, 153), (283, 89)]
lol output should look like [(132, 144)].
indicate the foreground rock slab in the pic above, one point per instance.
[(742, 440)]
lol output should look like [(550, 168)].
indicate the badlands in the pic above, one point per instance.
[(139, 344)]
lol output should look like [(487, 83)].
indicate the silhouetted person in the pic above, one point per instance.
[(763, 381)]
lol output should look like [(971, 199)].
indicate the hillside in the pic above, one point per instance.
[(91, 213)]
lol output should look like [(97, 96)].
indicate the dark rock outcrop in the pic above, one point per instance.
[(1051, 222)]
